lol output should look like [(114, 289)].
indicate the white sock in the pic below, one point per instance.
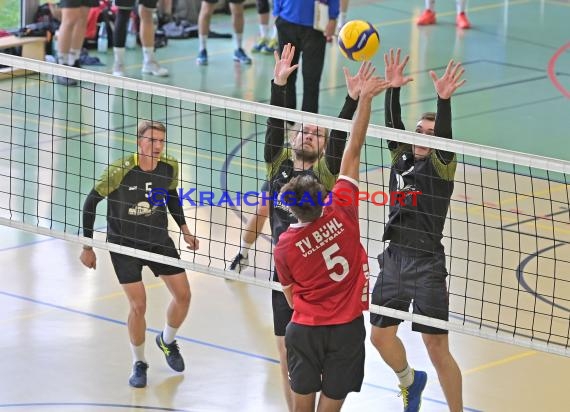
[(264, 31), (238, 38), (430, 5), (138, 353), (461, 4), (244, 248), (274, 35), (148, 54), (74, 55), (202, 41), (341, 18), (406, 377), (119, 53), (63, 58), (169, 334)]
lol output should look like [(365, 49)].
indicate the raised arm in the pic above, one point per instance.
[(275, 134), (394, 73), (337, 138), (351, 158), (445, 86)]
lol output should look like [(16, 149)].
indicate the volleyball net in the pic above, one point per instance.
[(506, 236)]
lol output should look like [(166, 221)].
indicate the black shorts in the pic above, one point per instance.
[(405, 277), (73, 4), (262, 6), (282, 312), (129, 4), (326, 358), (129, 268)]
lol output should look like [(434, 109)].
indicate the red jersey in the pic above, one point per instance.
[(325, 263)]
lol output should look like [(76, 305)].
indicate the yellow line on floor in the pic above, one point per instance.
[(488, 7), (122, 293), (500, 362)]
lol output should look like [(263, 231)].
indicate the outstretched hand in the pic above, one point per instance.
[(354, 83), (394, 71), (447, 84), (373, 86), (283, 68)]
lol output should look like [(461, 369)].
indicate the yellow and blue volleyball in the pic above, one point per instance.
[(358, 40)]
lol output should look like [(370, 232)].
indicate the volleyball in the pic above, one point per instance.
[(358, 40)]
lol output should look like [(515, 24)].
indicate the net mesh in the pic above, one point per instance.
[(506, 236)]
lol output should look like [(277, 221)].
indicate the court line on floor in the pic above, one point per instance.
[(520, 66), (552, 73), (532, 219), (472, 10), (424, 398), (499, 362), (470, 91), (521, 280), (150, 330), (114, 134), (25, 244), (505, 108), (178, 337)]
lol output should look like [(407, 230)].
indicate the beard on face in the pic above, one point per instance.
[(306, 156)]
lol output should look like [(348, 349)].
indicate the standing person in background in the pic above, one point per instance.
[(294, 22), (267, 42), (428, 15), (71, 34), (413, 265), (146, 33), (206, 11)]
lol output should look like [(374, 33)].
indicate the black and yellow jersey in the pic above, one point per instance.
[(280, 172), (279, 163), (131, 218), (419, 226)]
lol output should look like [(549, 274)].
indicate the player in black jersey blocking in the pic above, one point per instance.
[(413, 266), (134, 222)]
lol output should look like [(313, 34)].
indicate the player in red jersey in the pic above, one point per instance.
[(325, 278)]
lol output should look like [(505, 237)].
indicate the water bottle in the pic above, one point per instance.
[(131, 41), (102, 40)]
